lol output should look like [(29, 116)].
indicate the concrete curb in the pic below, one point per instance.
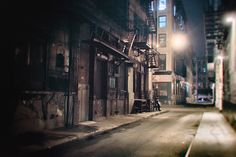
[(99, 132), (214, 137), (191, 144)]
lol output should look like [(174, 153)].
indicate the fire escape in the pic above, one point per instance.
[(142, 47), (152, 54)]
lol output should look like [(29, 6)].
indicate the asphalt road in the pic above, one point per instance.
[(165, 135)]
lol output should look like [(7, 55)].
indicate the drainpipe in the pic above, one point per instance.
[(91, 81), (69, 86)]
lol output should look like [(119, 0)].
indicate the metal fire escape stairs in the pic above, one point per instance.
[(151, 20), (152, 54), (131, 38)]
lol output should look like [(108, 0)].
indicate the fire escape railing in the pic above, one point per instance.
[(151, 19)]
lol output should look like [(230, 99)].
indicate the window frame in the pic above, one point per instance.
[(162, 5), (161, 22), (162, 61), (162, 39)]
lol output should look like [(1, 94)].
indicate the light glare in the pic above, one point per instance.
[(179, 41)]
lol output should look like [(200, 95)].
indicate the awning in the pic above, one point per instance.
[(142, 45), (104, 47)]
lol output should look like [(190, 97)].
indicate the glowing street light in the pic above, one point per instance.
[(229, 18), (179, 41)]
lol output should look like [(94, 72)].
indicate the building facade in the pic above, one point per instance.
[(214, 35), (79, 61), (170, 77), (228, 50), (220, 37)]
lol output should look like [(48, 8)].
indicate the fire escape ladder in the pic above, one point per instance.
[(152, 59), (131, 38), (151, 20)]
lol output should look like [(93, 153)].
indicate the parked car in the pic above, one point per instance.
[(203, 100)]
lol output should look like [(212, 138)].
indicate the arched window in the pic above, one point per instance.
[(60, 60)]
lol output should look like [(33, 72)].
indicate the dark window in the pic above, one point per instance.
[(162, 62), (162, 40), (112, 82), (29, 64), (60, 61), (164, 91)]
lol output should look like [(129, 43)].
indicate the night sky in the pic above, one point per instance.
[(195, 12)]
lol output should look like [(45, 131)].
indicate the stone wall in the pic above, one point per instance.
[(39, 111)]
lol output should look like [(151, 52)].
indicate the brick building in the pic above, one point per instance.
[(79, 60)]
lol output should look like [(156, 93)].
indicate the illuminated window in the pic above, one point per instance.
[(162, 21), (174, 10), (162, 5), (152, 6), (162, 40)]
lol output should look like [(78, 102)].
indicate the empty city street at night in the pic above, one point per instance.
[(168, 134), (119, 78)]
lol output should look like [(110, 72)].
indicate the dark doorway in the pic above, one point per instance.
[(100, 87)]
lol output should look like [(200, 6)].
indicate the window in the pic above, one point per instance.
[(60, 60), (162, 21), (59, 52), (174, 12), (152, 6), (29, 64), (112, 82), (162, 5), (162, 62), (162, 40)]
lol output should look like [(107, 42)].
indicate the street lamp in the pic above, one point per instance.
[(229, 18), (179, 41), (179, 44)]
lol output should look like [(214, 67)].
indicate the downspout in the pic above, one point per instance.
[(126, 108), (91, 80), (68, 84)]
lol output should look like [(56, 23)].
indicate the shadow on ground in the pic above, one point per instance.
[(229, 111)]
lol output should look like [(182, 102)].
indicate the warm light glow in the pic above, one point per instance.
[(179, 41), (229, 18), (220, 57), (125, 40)]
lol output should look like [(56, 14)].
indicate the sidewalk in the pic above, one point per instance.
[(214, 138), (51, 138)]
